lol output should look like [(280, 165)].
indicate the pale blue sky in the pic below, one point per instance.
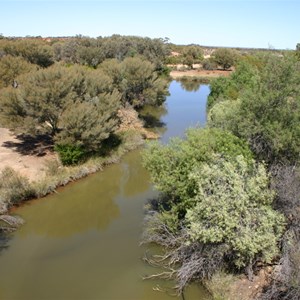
[(253, 23)]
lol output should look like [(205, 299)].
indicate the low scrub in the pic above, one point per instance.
[(219, 286), (14, 188)]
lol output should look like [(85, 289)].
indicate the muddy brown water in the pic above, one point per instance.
[(83, 242)]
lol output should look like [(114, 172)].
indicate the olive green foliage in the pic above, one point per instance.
[(137, 81), (170, 165), (33, 50), (267, 113), (92, 52), (76, 100), (192, 55), (233, 206), (298, 51), (209, 64), (75, 105), (224, 57), (219, 286), (11, 67), (215, 210), (224, 88)]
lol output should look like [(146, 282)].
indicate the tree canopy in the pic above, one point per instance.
[(224, 57), (264, 109)]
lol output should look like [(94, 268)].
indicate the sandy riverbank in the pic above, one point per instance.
[(199, 73)]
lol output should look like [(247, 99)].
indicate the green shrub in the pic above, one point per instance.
[(209, 64), (170, 165), (69, 154)]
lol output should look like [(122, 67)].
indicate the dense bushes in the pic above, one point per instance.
[(70, 154), (77, 105), (219, 209), (264, 109), (171, 165), (215, 210), (260, 103)]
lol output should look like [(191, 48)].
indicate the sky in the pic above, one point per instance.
[(235, 23)]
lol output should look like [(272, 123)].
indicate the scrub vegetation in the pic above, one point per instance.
[(73, 92), (229, 193), (229, 201)]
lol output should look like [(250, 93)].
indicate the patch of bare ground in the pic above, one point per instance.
[(26, 155), (244, 289), (29, 156), (199, 73)]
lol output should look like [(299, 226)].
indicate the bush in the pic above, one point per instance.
[(14, 188), (233, 206), (69, 154), (209, 64), (170, 165), (266, 109), (224, 57), (219, 285), (229, 223)]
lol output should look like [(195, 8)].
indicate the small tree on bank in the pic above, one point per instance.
[(224, 57), (76, 106)]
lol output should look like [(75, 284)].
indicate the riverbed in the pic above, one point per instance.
[(83, 241)]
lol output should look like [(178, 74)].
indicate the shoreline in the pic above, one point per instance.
[(205, 75), (38, 176)]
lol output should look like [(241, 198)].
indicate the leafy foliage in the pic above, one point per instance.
[(209, 64), (10, 68), (13, 188), (70, 154), (75, 105), (215, 211), (233, 206), (267, 113), (34, 51), (192, 55), (170, 165), (224, 57), (137, 81)]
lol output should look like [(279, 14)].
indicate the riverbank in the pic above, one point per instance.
[(31, 169), (206, 75)]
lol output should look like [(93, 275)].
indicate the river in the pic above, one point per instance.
[(83, 241)]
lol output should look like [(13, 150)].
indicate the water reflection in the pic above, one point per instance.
[(152, 117), (190, 84), (136, 179)]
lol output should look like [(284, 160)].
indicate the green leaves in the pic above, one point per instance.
[(233, 206), (170, 165), (75, 105), (224, 57), (215, 195), (267, 111)]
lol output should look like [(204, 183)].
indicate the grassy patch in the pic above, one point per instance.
[(219, 286)]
